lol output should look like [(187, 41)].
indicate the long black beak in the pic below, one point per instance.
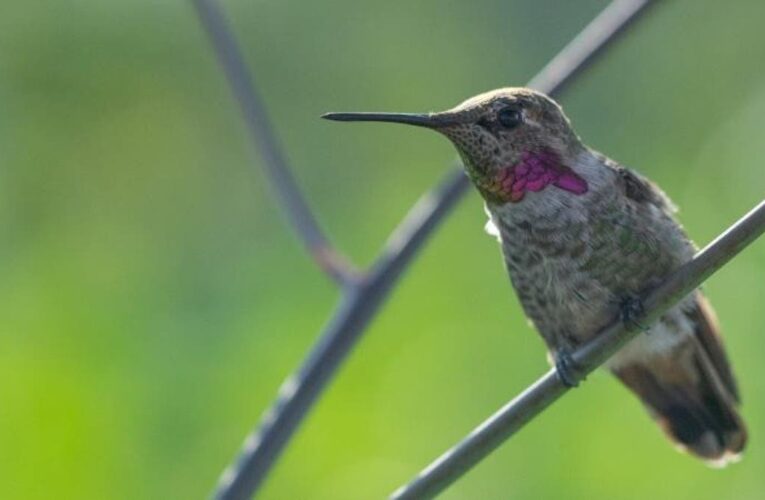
[(429, 120)]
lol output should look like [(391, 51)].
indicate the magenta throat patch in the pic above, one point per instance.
[(534, 172)]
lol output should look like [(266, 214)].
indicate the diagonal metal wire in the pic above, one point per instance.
[(363, 293), (264, 139), (357, 308), (466, 454)]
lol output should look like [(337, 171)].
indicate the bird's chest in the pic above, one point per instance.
[(571, 269)]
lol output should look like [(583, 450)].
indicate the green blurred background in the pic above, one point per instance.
[(152, 297)]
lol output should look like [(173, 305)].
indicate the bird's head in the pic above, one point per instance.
[(512, 141)]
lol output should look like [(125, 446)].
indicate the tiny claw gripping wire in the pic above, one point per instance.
[(566, 368), (631, 310)]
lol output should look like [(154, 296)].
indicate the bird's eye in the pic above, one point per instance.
[(509, 117)]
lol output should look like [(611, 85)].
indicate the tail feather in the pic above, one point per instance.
[(691, 402)]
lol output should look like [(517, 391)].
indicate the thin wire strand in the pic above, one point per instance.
[(514, 415), (297, 395), (264, 139), (582, 50)]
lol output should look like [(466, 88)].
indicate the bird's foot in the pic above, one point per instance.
[(565, 367), (631, 311)]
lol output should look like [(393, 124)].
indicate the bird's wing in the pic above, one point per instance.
[(642, 190), (707, 332), (701, 314), (638, 188)]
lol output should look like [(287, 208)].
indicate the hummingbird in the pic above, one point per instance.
[(582, 237)]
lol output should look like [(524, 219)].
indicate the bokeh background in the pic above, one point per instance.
[(152, 298)]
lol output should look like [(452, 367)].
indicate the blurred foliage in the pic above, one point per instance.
[(152, 298)]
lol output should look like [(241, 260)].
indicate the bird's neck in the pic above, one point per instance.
[(533, 172), (582, 183)]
